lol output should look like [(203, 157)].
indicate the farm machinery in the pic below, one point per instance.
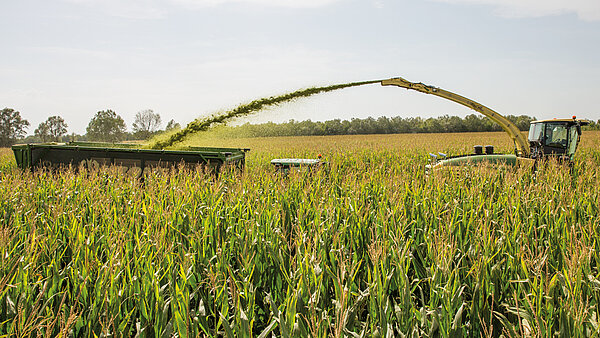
[(554, 138), (124, 155)]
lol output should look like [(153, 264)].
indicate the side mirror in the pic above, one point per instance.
[(579, 130)]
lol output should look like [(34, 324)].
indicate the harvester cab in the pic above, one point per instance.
[(555, 138)]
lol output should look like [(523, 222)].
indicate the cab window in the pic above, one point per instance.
[(556, 135), (573, 138), (536, 132)]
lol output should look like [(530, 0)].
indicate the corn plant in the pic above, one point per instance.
[(372, 246)]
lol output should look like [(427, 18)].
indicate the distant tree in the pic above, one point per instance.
[(474, 122), (12, 126), (334, 127), (593, 125), (384, 126), (522, 122), (42, 132), (106, 126), (146, 123), (30, 139), (172, 125), (52, 129)]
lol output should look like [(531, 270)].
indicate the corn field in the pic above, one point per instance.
[(370, 246)]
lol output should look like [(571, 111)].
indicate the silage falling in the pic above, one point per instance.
[(246, 109)]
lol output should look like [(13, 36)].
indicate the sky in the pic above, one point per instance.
[(185, 59)]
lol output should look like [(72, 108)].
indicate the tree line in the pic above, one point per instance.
[(381, 125), (105, 126), (108, 126)]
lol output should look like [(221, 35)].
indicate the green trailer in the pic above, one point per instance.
[(92, 155)]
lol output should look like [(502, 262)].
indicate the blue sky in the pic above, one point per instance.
[(189, 58)]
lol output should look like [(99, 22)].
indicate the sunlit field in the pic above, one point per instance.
[(368, 246), (402, 145)]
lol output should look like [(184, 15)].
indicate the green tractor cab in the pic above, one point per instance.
[(555, 138)]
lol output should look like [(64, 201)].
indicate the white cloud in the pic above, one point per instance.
[(158, 9), (131, 9), (588, 10), (378, 4), (271, 3), (75, 53)]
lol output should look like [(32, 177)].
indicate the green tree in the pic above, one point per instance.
[(106, 126), (12, 126), (52, 129), (146, 123), (172, 125)]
